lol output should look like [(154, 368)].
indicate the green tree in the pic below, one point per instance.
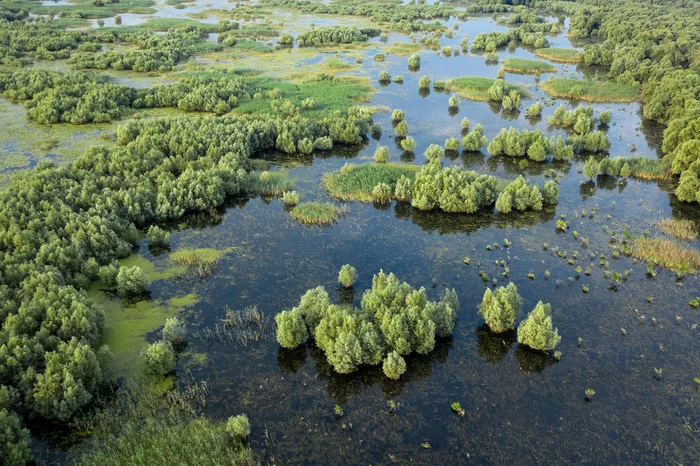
[(408, 144), (174, 331), (381, 155), (590, 168), (394, 366), (347, 276), (132, 281), (500, 308), (401, 129), (291, 329), (158, 237), (14, 439), (159, 358), (238, 427), (536, 331)]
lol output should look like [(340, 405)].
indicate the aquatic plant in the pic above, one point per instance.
[(398, 79), (534, 110), (424, 82), (401, 129), (452, 144), (666, 253), (414, 61), (454, 101), (465, 124), (536, 331), (159, 358), (475, 140), (347, 276), (501, 307), (316, 213), (457, 408), (398, 115), (290, 198)]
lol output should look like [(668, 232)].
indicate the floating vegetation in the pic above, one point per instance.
[(238, 327)]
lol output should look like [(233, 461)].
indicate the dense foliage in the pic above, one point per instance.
[(335, 35), (520, 195), (501, 307), (394, 320)]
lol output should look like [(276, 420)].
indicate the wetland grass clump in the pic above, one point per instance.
[(537, 331), (317, 213), (394, 320), (666, 253), (382, 194), (682, 229), (290, 198), (520, 65), (199, 262), (477, 88), (591, 91), (357, 182), (268, 183)]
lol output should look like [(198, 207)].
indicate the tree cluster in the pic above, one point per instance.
[(335, 35), (520, 195)]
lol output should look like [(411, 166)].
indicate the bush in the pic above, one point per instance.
[(465, 124), (381, 193), (384, 77), (474, 141), (290, 198), (158, 237), (398, 79), (452, 144), (500, 308), (591, 168), (424, 82), (453, 101), (132, 281), (108, 274), (408, 144), (605, 117), (398, 115), (401, 129), (238, 427), (536, 331), (534, 110), (14, 439), (159, 358), (414, 61), (285, 39), (347, 275), (174, 331), (291, 329), (381, 155), (394, 365), (520, 195), (403, 189)]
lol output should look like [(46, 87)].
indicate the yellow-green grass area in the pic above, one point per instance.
[(560, 55), (401, 48), (591, 91), (317, 213), (86, 8), (680, 228), (12, 161), (357, 182), (667, 253), (520, 65), (477, 88)]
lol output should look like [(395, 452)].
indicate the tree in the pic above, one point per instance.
[(403, 189), (347, 276), (384, 77), (536, 331), (159, 358), (475, 140), (424, 82), (291, 329), (394, 366), (132, 281), (345, 354), (408, 144), (414, 61), (501, 308), (381, 193), (401, 129), (158, 237), (397, 115), (453, 101), (452, 144), (625, 171), (14, 439), (590, 168), (605, 117)]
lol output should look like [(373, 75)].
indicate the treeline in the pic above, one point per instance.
[(60, 226), (400, 17), (336, 35), (78, 98)]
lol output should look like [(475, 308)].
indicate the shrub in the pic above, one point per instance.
[(465, 124), (398, 115), (347, 275), (132, 281), (439, 85), (520, 195), (379, 57), (305, 146), (591, 168), (501, 307), (108, 274), (414, 61), (550, 192), (398, 79), (285, 39), (158, 237), (605, 117), (534, 110), (454, 101), (475, 140), (381, 155), (408, 144), (174, 331), (424, 82), (514, 143), (159, 358), (404, 185), (625, 171), (434, 152), (291, 329), (512, 100), (384, 77), (14, 439), (401, 129), (536, 331), (381, 193), (394, 365), (238, 427), (452, 144), (290, 198)]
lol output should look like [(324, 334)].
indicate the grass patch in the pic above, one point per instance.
[(646, 168), (199, 262), (520, 65), (252, 46), (163, 24), (667, 253), (402, 48), (357, 182), (87, 9), (268, 183), (591, 91), (477, 88), (560, 55), (683, 229), (13, 161), (316, 213)]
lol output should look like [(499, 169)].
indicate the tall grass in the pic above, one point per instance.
[(268, 183), (520, 65), (591, 91), (315, 213), (560, 55), (357, 182), (683, 229), (477, 88), (667, 253)]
